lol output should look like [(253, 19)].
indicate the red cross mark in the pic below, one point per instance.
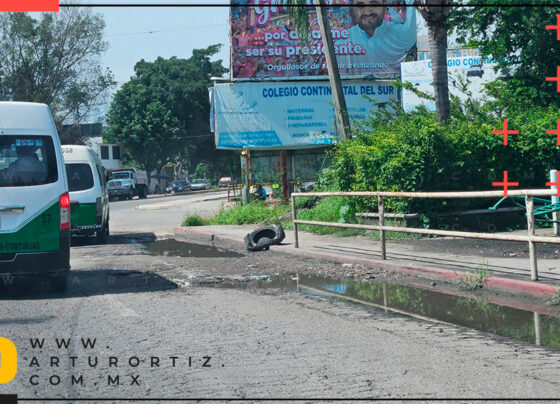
[(555, 184), (556, 27), (556, 79), (505, 132), (505, 184), (555, 132)]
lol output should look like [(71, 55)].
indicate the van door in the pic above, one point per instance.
[(30, 191)]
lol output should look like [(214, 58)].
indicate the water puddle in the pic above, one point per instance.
[(468, 311), (172, 247)]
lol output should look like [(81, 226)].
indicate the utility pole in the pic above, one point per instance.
[(284, 175), (340, 109)]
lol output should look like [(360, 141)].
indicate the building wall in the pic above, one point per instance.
[(112, 157)]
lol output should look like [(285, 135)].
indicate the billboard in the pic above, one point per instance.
[(474, 71), (276, 115), (371, 40)]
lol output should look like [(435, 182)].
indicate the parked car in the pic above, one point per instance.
[(224, 182), (200, 184), (178, 186)]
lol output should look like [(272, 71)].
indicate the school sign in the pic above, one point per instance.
[(282, 115)]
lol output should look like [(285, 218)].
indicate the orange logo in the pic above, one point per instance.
[(29, 5), (8, 360)]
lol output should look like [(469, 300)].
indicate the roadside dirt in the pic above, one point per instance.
[(225, 261)]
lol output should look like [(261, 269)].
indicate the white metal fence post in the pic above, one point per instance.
[(554, 199), (530, 205)]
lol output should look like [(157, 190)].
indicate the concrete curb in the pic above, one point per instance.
[(160, 205), (536, 289), (165, 196)]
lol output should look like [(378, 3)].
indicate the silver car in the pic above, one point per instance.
[(200, 184)]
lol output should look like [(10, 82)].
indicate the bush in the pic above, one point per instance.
[(414, 152), (253, 213), (193, 221)]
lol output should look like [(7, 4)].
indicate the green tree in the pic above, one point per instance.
[(161, 114), (54, 59), (515, 37), (202, 170), (436, 13)]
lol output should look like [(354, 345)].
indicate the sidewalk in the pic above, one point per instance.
[(434, 258)]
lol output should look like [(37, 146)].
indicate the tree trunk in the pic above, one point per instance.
[(437, 35), (340, 109)]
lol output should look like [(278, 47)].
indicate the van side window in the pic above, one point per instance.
[(101, 172)]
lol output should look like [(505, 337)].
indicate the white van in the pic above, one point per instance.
[(89, 198), (34, 200)]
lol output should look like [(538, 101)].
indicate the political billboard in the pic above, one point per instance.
[(371, 39), (276, 115), (468, 73)]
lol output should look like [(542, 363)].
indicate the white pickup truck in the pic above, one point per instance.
[(128, 183)]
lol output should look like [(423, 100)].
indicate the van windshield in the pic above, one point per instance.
[(80, 177), (27, 160)]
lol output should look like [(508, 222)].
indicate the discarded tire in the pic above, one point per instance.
[(263, 237)]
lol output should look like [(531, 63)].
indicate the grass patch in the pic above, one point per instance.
[(337, 210), (334, 209), (193, 221), (327, 210), (251, 213), (555, 301), (475, 280)]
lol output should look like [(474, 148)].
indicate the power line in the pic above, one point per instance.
[(165, 30)]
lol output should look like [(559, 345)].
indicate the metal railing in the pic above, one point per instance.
[(531, 238), (233, 187)]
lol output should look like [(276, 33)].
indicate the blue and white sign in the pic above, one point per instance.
[(474, 71), (288, 114)]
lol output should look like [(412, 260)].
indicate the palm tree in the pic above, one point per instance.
[(301, 18), (436, 14)]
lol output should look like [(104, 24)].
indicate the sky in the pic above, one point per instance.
[(136, 33)]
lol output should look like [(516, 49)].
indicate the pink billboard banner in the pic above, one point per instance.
[(371, 39)]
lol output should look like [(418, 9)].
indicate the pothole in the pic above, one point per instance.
[(540, 327), (172, 247)]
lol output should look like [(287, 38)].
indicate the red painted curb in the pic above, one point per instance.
[(540, 290)]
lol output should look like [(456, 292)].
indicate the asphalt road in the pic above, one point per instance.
[(157, 330), (161, 215)]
